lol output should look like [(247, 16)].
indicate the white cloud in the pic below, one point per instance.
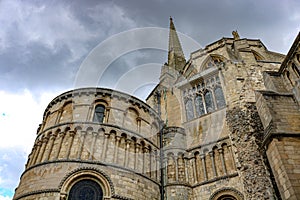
[(5, 197), (20, 115)]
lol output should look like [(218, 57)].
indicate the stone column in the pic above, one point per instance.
[(106, 135), (95, 134), (52, 138), (36, 153), (143, 159), (194, 170), (116, 149), (212, 157), (71, 135), (31, 156), (186, 166), (176, 168), (220, 150), (61, 136), (127, 148), (80, 149), (42, 150), (202, 156), (136, 156), (146, 161), (198, 167)]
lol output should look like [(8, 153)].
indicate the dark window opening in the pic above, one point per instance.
[(99, 113), (86, 190)]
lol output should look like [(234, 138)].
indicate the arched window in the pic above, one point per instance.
[(99, 113), (86, 190), (210, 107), (199, 105), (219, 97), (226, 197), (189, 109)]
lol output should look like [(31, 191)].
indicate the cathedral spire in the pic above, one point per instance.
[(175, 56)]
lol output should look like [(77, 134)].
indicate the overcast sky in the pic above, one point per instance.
[(45, 44)]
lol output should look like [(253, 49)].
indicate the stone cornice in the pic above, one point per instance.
[(102, 92), (92, 162)]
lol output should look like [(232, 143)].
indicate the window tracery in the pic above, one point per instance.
[(86, 190), (204, 97), (213, 61)]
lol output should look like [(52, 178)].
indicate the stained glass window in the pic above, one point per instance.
[(99, 113), (86, 190), (219, 97), (199, 105), (189, 109), (209, 102)]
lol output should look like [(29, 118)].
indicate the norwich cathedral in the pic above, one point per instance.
[(223, 124)]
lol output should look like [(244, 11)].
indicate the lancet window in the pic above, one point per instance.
[(203, 98)]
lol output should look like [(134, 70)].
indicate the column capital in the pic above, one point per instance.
[(202, 156), (83, 133), (71, 133), (220, 150), (94, 133), (61, 134), (52, 137)]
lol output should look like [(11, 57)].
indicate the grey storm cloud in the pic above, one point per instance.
[(44, 42)]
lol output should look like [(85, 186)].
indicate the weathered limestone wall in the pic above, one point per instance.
[(46, 181), (284, 157), (121, 110), (281, 119), (124, 146)]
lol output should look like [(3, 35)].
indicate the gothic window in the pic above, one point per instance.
[(189, 109), (99, 113), (86, 190), (199, 105), (204, 97), (209, 101), (219, 96)]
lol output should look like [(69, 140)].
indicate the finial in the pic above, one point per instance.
[(171, 18), (235, 35)]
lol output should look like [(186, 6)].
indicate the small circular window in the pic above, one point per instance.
[(86, 190)]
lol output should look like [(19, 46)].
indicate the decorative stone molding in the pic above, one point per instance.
[(36, 192), (227, 191), (87, 173)]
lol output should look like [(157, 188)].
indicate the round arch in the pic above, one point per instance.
[(227, 194), (89, 175)]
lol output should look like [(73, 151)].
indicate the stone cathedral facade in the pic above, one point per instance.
[(222, 125)]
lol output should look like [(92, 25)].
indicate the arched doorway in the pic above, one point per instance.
[(86, 190)]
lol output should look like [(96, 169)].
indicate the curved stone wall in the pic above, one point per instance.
[(124, 144)]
